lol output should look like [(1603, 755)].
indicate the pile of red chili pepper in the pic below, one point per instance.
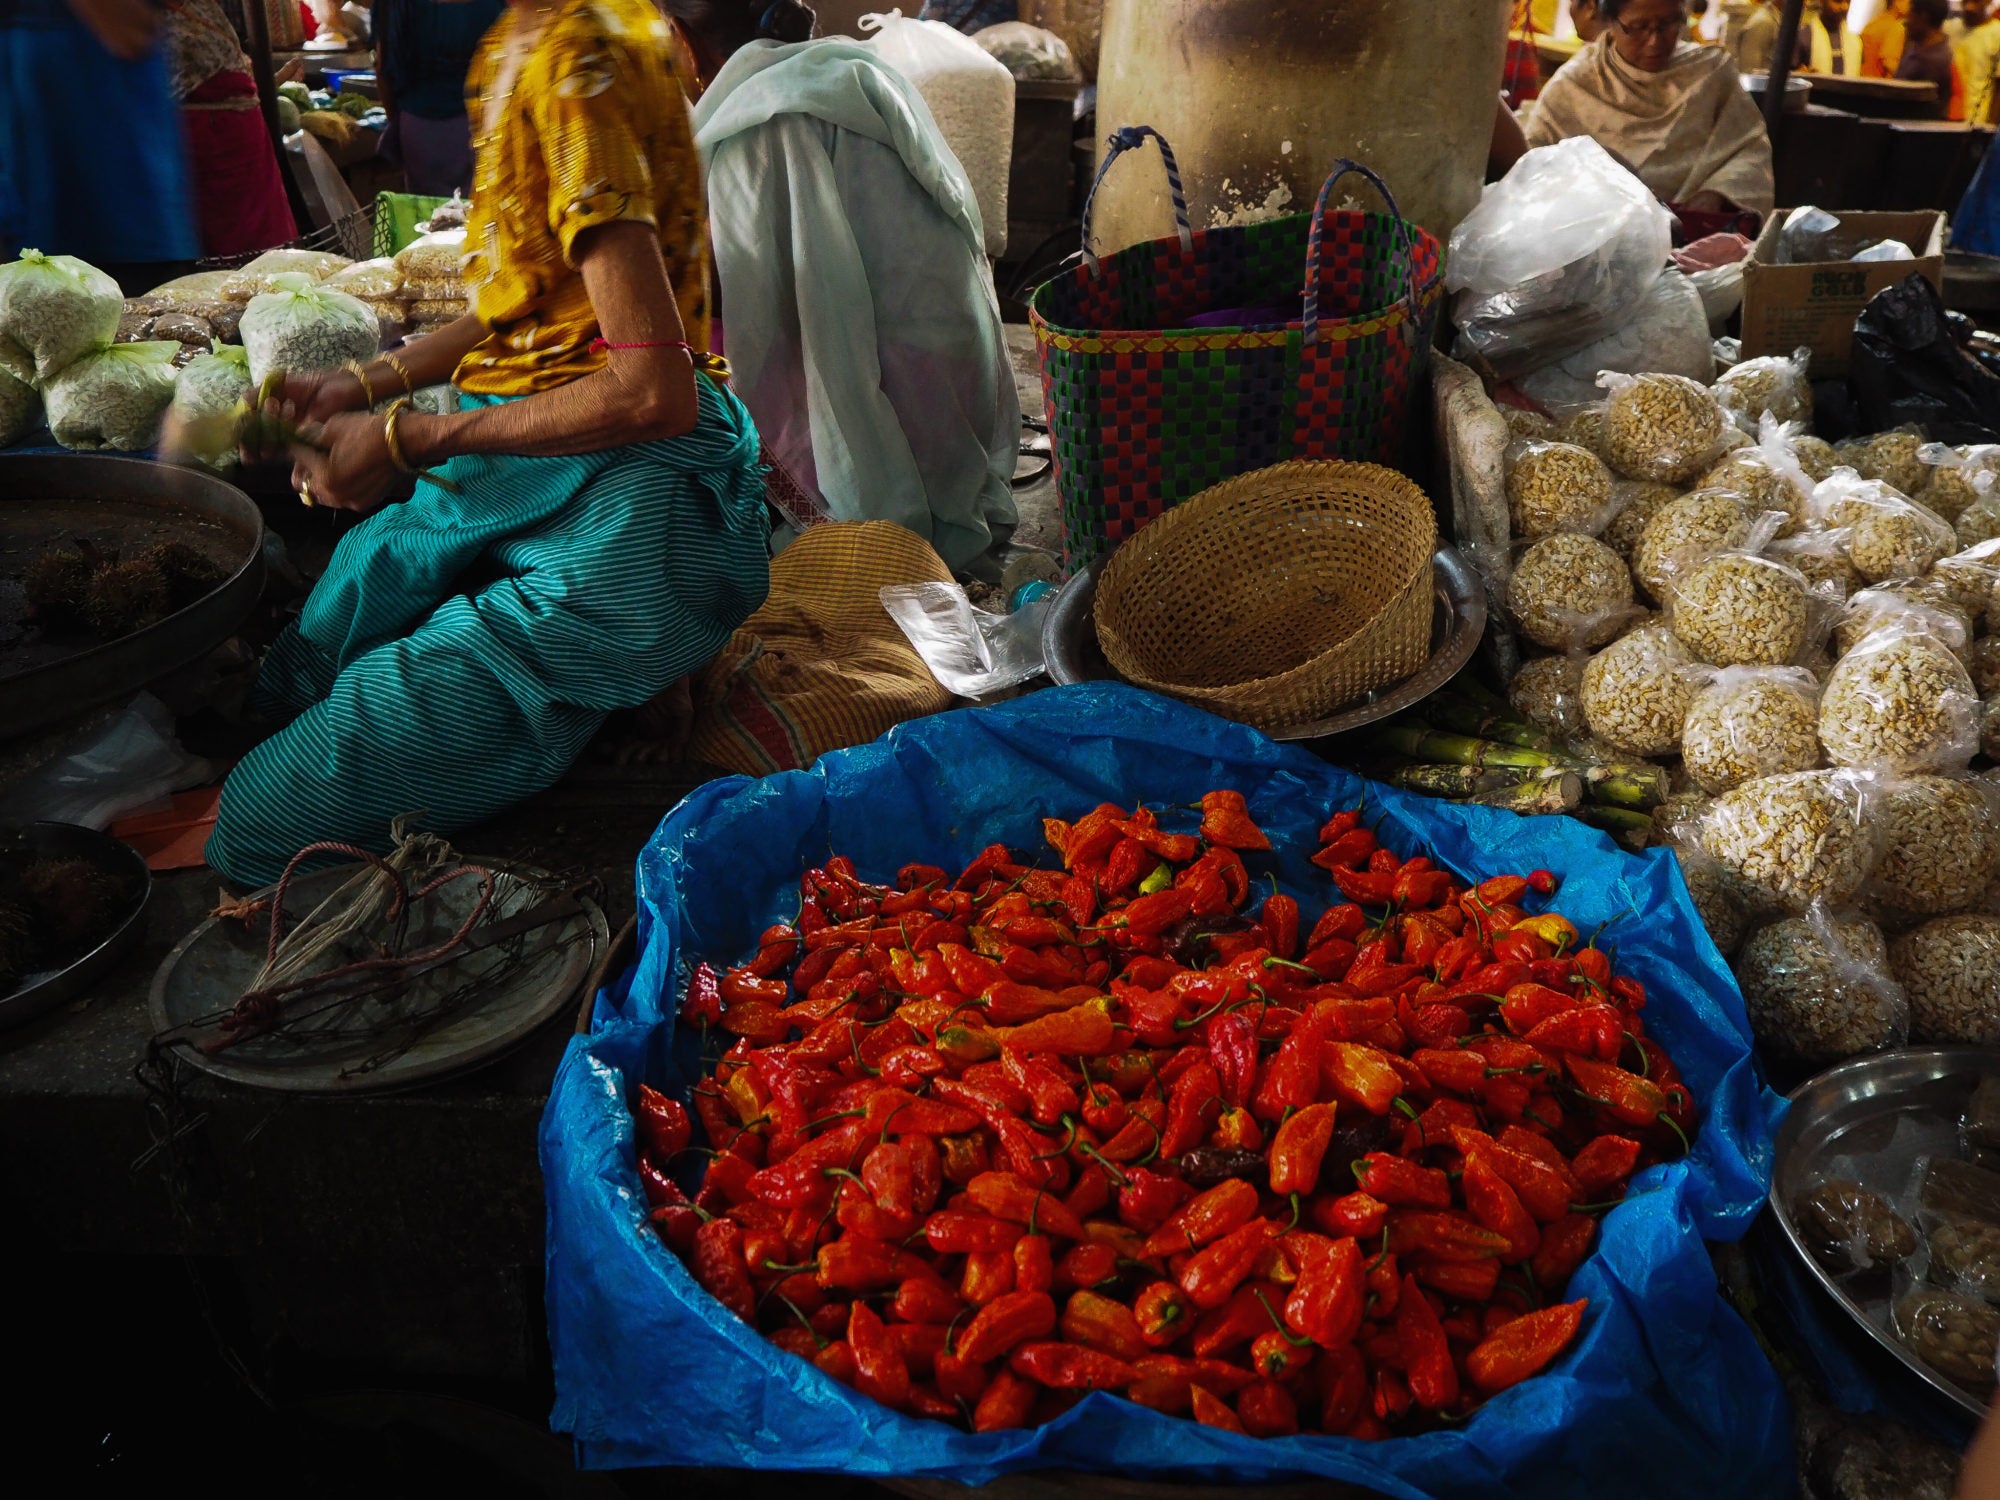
[(981, 1145)]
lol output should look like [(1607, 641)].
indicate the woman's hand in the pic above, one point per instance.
[(304, 399), (346, 465)]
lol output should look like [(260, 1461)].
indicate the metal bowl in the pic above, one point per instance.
[(120, 503), (1872, 1121), (1458, 620), (69, 841)]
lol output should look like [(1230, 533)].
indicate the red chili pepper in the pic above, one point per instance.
[(719, 1267), (1364, 887), (1154, 914), (1193, 1103), (1443, 1235), (1544, 1190), (1213, 1273), (1346, 851), (1427, 1361), (1266, 1410), (1291, 1078), (1343, 1377), (956, 1232), (1542, 882), (1523, 1347), (1211, 1411), (1070, 1367), (1526, 1006), (1006, 1196), (1588, 1031), (1401, 1183), (1232, 1047), (1604, 1164), (1102, 1323), (1496, 1205), (662, 1123), (1007, 1402), (1626, 1097), (1129, 863), (1006, 1321), (1326, 1301), (1298, 1149), (777, 947), (1034, 1264), (1206, 1218), (1225, 820), (702, 1004), (1565, 1243), (1280, 922), (1085, 1265), (1465, 1280), (1363, 1075), (1355, 1214), (1162, 1313), (1415, 890)]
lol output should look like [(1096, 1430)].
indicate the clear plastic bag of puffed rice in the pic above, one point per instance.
[(1950, 969), (1634, 503), (1819, 990), (1959, 477), (370, 280), (114, 398), (1789, 840), (1891, 457), (1554, 487), (1940, 838), (1570, 592), (1661, 427), (1900, 700), (1888, 535), (1637, 691), (437, 256), (1917, 603), (261, 275), (1742, 609), (1710, 890), (54, 310), (1548, 691), (1821, 558), (1751, 722), (1776, 385)]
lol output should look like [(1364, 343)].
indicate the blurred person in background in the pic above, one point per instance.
[(1673, 111), (1882, 40), (422, 51), (92, 159), (1927, 58), (1825, 44), (1697, 10), (1586, 16), (1750, 34), (1976, 51), (239, 198)]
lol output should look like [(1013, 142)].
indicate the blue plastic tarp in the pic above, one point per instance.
[(1665, 1392)]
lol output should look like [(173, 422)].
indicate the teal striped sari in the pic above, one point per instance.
[(601, 578)]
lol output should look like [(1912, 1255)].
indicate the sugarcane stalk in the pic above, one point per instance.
[(1458, 781), (1467, 685), (1632, 829), (1556, 792), (1461, 715), (1621, 784), (1422, 744)]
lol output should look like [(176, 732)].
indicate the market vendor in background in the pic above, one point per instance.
[(862, 323), (1674, 112), (1882, 40), (92, 160), (1976, 52), (422, 51), (1750, 34), (1927, 56), (239, 197), (1825, 44), (599, 529)]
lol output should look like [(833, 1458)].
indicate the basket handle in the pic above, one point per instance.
[(1131, 138), (1340, 169)]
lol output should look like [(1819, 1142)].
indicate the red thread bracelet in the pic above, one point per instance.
[(599, 345)]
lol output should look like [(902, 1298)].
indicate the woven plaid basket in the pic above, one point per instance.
[(1145, 412)]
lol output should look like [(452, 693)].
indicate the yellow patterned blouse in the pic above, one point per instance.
[(594, 130)]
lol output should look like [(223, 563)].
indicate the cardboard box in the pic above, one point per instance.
[(1814, 306)]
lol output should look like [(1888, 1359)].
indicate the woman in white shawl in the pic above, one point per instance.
[(860, 316), (1674, 112)]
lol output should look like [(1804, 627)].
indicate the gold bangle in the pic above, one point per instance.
[(355, 368), (402, 372), (389, 438)]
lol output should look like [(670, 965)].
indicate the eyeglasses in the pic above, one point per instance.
[(1651, 30)]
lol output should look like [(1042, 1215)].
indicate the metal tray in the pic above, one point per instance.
[(39, 993), (1872, 1120), (118, 504), (216, 962), (1458, 620)]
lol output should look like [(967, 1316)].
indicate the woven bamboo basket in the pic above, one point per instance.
[(1277, 597)]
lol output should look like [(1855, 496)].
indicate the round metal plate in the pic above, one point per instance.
[(1458, 620), (1873, 1121), (117, 504), (43, 992), (210, 967)]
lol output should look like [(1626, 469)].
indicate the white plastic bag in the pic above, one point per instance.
[(113, 398), (1555, 256), (971, 652), (132, 762), (971, 97), (20, 408), (303, 326), (206, 393), (54, 309), (1666, 334)]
